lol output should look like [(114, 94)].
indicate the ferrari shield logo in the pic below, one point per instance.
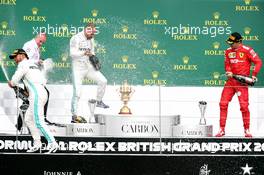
[(241, 54)]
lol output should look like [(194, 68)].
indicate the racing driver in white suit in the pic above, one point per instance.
[(81, 48), (34, 80), (33, 50)]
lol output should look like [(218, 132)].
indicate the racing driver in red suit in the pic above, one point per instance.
[(238, 59)]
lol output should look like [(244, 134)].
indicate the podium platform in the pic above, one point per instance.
[(140, 126), (193, 131), (121, 126), (134, 126)]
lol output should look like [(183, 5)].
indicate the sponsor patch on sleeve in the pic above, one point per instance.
[(252, 53)]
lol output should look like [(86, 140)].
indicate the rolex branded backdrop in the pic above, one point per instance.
[(148, 42)]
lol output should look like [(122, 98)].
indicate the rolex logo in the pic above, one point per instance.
[(216, 75), (247, 2), (216, 45), (216, 15), (124, 58), (4, 25), (34, 11), (64, 57), (155, 14), (125, 29), (247, 30), (185, 59), (155, 74), (94, 13), (155, 44)]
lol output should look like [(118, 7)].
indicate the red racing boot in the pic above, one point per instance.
[(247, 133), (221, 132)]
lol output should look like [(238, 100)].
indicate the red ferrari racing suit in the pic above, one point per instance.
[(238, 61)]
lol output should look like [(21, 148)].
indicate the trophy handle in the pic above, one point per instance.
[(132, 92)]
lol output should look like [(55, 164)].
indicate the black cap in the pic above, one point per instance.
[(17, 52), (234, 38)]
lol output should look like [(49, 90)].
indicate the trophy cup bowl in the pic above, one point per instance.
[(126, 92), (202, 106), (92, 104)]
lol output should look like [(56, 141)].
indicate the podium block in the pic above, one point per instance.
[(58, 131), (125, 126), (139, 126), (85, 129), (192, 131)]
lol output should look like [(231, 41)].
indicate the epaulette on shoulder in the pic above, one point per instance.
[(246, 47)]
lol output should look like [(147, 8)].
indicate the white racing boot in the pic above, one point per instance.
[(52, 147), (36, 147)]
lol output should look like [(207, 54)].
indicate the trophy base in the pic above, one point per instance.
[(92, 119), (202, 121), (125, 110)]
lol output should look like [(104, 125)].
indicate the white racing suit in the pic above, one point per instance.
[(34, 81), (81, 68), (33, 52)]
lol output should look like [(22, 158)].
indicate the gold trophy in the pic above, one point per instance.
[(125, 91)]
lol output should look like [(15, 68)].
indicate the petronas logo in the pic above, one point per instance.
[(155, 14), (216, 45), (34, 11), (155, 74), (125, 29), (247, 2), (216, 15), (125, 59), (4, 25), (94, 13), (216, 75), (64, 57), (185, 59), (247, 30), (155, 44)]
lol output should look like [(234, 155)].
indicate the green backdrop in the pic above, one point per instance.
[(147, 42)]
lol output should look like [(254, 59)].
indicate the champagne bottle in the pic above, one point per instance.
[(244, 79), (21, 93)]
